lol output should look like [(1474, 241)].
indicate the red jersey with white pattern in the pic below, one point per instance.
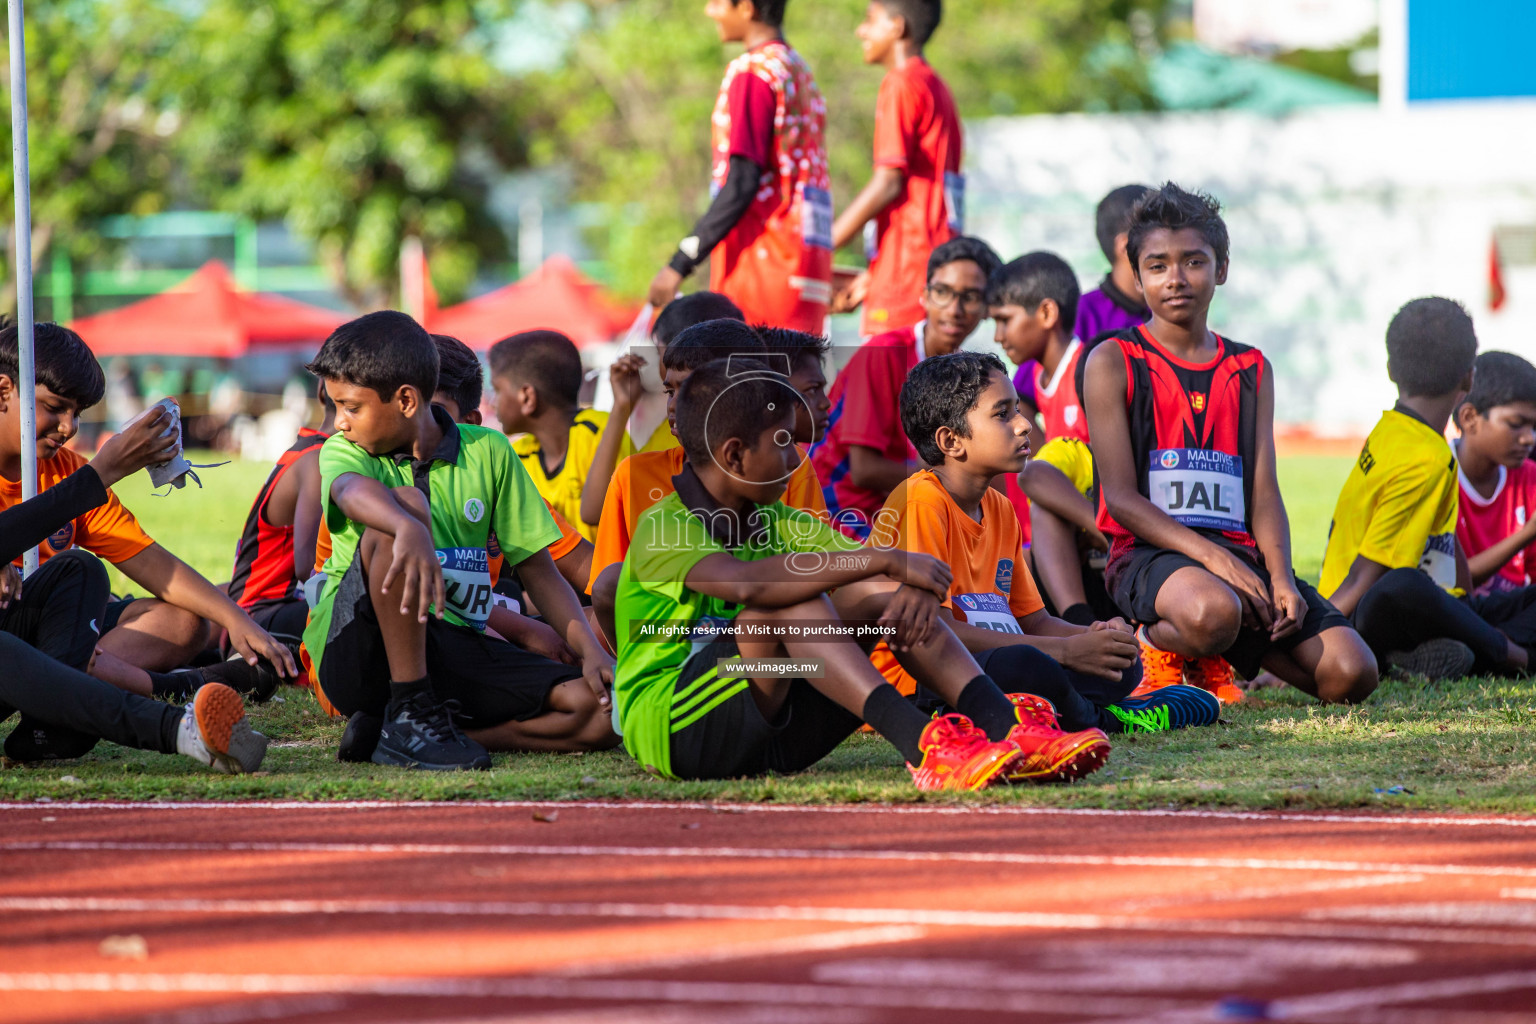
[(1483, 522), (1057, 398), (1194, 438), (776, 263)]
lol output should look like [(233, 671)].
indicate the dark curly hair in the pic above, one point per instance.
[(939, 392), (1173, 208)]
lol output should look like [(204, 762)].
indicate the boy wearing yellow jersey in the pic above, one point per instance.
[(1392, 562)]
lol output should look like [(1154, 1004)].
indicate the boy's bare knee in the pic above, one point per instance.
[(1348, 676), (1210, 620)]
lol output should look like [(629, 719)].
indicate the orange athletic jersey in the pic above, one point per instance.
[(642, 480), (776, 263), (567, 543), (992, 586), (108, 531), (917, 129)]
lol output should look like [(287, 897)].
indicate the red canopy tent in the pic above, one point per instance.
[(205, 315), (556, 297)]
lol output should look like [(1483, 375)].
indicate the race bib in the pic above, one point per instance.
[(871, 240), (1439, 561), (816, 217), (1199, 488), (467, 583), (954, 200), (989, 611)]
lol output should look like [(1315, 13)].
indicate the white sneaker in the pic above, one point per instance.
[(214, 731)]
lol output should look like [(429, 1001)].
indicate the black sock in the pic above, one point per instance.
[(987, 708), (177, 685), (399, 692), (1080, 615), (893, 716)]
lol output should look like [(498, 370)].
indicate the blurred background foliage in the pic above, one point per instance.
[(362, 122)]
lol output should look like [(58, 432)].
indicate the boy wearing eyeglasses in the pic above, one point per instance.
[(865, 453)]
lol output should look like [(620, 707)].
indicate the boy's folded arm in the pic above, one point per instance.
[(1486, 564), (777, 582), (1271, 525), (29, 523), (1362, 576), (307, 511), (369, 503)]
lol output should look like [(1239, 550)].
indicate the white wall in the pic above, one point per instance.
[(1337, 218)]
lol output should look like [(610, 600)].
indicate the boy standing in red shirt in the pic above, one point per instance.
[(768, 230), (915, 200)]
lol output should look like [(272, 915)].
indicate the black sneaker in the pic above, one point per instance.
[(258, 682), (418, 732), (32, 740), (1441, 658), (360, 739)]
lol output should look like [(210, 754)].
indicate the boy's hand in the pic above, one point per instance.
[(915, 615), (921, 571), (10, 586), (597, 670), (1103, 651), (1239, 575), (664, 288), (540, 638), (142, 443), (850, 298), (252, 642), (1116, 623), (1290, 608), (415, 563), (624, 376)]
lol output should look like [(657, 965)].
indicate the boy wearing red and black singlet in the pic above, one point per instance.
[(915, 200), (1182, 422), (768, 230), (276, 551), (1494, 522)]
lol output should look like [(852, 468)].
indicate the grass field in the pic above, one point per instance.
[(1454, 746)]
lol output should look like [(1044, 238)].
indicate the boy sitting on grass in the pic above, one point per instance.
[(721, 570), (144, 640), (48, 636), (1182, 422), (646, 478), (537, 380), (412, 499), (1494, 525), (1392, 562), (1034, 300), (965, 421)]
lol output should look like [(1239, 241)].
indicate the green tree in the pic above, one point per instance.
[(360, 122), (629, 109), (96, 134)]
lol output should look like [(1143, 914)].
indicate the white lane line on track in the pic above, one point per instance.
[(1264, 893), (626, 990), (759, 853), (980, 919), (820, 942), (1273, 817)]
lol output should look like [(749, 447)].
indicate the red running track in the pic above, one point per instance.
[(679, 914)]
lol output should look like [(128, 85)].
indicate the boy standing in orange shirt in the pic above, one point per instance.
[(915, 200), (963, 416)]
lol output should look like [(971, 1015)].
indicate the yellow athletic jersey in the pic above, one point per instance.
[(1398, 507), (663, 440), (561, 485), (1072, 457)]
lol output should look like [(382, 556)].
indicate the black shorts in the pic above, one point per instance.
[(1140, 576), (734, 739), (114, 612), (285, 620), (493, 681)]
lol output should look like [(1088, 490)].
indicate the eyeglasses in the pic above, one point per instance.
[(943, 295)]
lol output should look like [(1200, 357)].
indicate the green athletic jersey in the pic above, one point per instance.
[(480, 497), (661, 622)]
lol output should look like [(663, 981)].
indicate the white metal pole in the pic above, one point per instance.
[(27, 385)]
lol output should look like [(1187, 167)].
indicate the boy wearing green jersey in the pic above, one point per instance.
[(412, 500), (744, 626)]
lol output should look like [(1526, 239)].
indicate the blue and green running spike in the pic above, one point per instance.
[(1170, 707)]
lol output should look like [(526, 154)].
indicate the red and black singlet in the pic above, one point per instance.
[(1193, 436), (264, 557)]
